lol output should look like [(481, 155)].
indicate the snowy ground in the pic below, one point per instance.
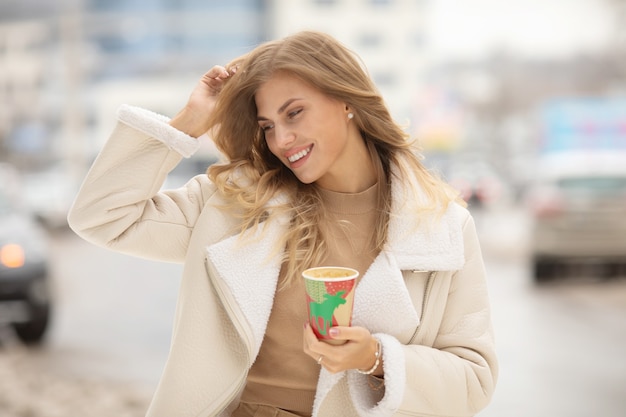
[(29, 390)]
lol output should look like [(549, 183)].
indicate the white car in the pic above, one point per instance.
[(578, 204)]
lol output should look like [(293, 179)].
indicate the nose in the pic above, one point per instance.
[(285, 137)]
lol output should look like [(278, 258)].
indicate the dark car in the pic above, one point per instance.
[(25, 302)]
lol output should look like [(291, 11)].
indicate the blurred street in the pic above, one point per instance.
[(560, 345)]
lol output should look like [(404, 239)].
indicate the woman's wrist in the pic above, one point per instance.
[(376, 369), (188, 122)]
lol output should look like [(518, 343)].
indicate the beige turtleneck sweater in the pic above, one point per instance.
[(283, 376)]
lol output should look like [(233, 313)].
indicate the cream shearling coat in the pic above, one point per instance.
[(424, 297)]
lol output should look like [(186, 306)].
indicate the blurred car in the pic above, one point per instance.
[(25, 302), (477, 183), (578, 205)]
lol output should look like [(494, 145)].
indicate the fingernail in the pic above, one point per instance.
[(333, 332)]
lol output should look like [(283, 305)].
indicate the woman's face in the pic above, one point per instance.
[(311, 133)]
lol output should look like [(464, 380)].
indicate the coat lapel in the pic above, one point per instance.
[(428, 242), (382, 295), (249, 268)]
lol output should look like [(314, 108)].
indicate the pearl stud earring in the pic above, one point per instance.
[(350, 116)]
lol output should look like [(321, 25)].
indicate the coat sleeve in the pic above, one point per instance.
[(120, 205), (456, 376)]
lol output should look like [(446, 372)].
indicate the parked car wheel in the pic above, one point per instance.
[(545, 270), (33, 331)]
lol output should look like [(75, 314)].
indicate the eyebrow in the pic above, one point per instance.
[(281, 108)]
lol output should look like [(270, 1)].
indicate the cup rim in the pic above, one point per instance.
[(353, 275)]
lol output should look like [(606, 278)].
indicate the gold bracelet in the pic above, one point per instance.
[(376, 362)]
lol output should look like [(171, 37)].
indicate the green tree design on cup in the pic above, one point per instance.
[(330, 297)]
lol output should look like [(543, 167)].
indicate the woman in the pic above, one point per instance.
[(315, 173)]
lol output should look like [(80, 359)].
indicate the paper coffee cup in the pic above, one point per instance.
[(330, 297)]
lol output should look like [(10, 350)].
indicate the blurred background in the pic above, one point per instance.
[(521, 105)]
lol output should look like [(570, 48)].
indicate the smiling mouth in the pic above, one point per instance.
[(297, 156)]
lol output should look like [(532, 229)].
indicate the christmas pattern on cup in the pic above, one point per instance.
[(324, 298)]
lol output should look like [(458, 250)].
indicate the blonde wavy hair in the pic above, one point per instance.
[(252, 176)]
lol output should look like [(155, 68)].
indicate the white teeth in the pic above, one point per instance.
[(299, 155)]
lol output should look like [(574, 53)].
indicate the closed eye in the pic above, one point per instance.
[(266, 127), (294, 113)]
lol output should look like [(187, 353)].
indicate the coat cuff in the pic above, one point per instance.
[(157, 126), (367, 401)]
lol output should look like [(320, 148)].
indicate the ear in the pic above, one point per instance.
[(349, 113)]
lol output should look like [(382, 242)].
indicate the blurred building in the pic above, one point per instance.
[(66, 66), (138, 37), (58, 60), (24, 67)]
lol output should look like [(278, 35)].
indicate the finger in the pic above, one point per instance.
[(214, 79), (316, 348), (217, 71), (356, 333), (310, 343), (328, 356)]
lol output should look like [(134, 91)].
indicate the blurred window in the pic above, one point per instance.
[(599, 185), (384, 78), (212, 5), (370, 39), (120, 5), (325, 2), (140, 5), (417, 39)]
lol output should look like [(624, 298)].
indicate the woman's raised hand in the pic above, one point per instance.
[(193, 119)]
